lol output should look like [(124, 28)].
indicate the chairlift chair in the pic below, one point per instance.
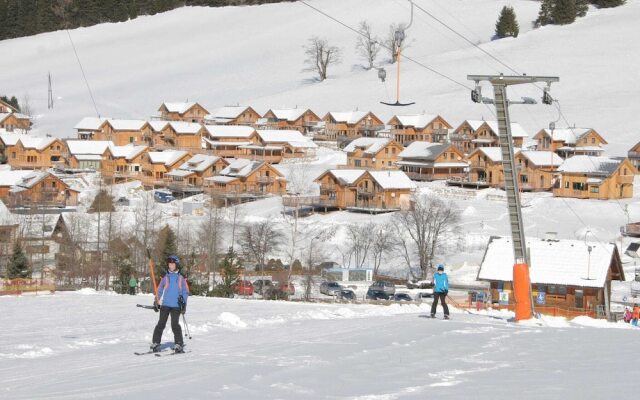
[(399, 38)]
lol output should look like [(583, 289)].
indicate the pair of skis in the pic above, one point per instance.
[(161, 353)]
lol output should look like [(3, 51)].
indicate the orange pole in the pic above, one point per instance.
[(398, 76), (152, 268), (521, 291)]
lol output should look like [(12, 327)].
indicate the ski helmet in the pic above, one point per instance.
[(173, 259), (440, 267)]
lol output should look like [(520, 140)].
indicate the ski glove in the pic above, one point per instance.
[(183, 306), (156, 306)]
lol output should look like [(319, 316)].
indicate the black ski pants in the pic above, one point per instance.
[(175, 325), (441, 297)]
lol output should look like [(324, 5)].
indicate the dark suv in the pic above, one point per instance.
[(376, 294), (261, 285)]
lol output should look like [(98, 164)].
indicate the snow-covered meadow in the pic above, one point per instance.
[(80, 345)]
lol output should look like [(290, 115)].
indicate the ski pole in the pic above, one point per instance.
[(145, 307), (186, 327)]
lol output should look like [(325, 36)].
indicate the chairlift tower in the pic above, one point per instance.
[(500, 100)]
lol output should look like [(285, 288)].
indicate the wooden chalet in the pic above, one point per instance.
[(44, 238), (6, 108), (123, 163), (422, 127), (15, 122), (8, 236), (191, 174), (424, 161), (536, 169), (569, 142), (86, 154), (568, 277), (186, 111), (350, 125), (300, 119), (35, 189), (634, 156), (7, 141), (176, 135), (36, 152), (119, 131), (232, 115), (246, 178), (274, 145), (157, 164), (472, 134), (374, 153), (485, 166), (365, 190), (228, 141), (588, 177)]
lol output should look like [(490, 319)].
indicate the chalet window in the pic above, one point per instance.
[(356, 163), (386, 150), (593, 140), (13, 155), (594, 189), (524, 179), (579, 186), (566, 185), (53, 184), (267, 173), (131, 139)]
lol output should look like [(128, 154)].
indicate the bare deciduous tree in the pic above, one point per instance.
[(367, 45), (210, 232), (320, 55), (394, 43), (359, 241), (258, 240), (382, 245), (422, 231)]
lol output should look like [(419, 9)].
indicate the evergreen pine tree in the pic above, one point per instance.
[(18, 264), (564, 12), (545, 16), (229, 272), (608, 3), (507, 24), (167, 246), (582, 6)]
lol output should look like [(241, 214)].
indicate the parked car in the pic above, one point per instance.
[(387, 287), (163, 196), (287, 288), (401, 297), (260, 285), (419, 284), (346, 294), (426, 294), (330, 288), (244, 288), (376, 294)]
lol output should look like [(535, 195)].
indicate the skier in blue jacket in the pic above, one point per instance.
[(173, 293), (440, 291)]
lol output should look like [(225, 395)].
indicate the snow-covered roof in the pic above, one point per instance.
[(90, 124), (236, 131), (559, 262), (346, 176), (542, 158), (241, 167), (10, 139), (567, 135), (424, 150), (128, 151), (221, 179), (127, 124), (37, 226), (516, 129), (168, 157), (392, 179), (226, 113), (418, 121), (371, 145), (179, 108), (36, 142), (199, 163), (292, 137), (349, 117), (97, 147), (599, 166), (185, 128), (158, 126), (10, 178), (290, 114), (492, 153), (216, 143), (29, 180), (4, 116), (88, 157), (180, 173)]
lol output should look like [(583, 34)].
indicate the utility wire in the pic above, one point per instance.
[(387, 47), (83, 74)]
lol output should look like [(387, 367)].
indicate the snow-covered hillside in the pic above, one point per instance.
[(254, 56), (80, 346)]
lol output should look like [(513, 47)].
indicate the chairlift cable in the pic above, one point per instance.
[(83, 74), (387, 47)]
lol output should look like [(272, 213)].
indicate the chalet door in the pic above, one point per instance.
[(579, 299)]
